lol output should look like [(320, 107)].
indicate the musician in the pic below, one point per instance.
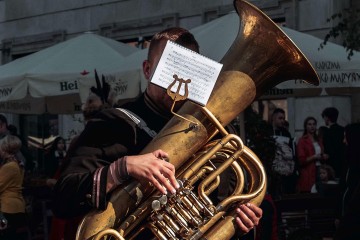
[(106, 152)]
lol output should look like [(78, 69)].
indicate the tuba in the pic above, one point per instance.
[(260, 57)]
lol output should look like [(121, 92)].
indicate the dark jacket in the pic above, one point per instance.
[(111, 135), (334, 147)]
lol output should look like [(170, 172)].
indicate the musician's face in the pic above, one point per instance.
[(156, 93)]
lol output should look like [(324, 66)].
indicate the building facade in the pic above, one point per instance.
[(28, 26)]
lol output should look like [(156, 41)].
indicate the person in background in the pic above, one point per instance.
[(351, 140), (348, 227), (55, 157), (29, 164), (12, 203), (326, 176), (333, 140), (100, 98), (107, 152), (310, 154), (4, 131), (322, 132), (283, 167), (3, 126), (286, 125)]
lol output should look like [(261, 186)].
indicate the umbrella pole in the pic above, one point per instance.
[(43, 143)]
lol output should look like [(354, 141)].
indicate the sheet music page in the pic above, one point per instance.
[(187, 64)]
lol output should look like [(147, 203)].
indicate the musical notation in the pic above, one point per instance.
[(187, 64)]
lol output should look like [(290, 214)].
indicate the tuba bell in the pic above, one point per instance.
[(260, 57)]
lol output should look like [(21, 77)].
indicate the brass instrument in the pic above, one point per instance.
[(261, 57)]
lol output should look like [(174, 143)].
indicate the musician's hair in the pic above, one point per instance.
[(178, 35)]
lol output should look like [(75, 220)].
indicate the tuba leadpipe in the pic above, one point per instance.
[(260, 57)]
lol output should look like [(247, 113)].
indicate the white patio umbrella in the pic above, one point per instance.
[(49, 80), (331, 62), (127, 81)]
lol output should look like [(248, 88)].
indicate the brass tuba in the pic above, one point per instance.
[(260, 57)]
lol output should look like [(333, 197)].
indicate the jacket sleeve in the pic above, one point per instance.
[(72, 195), (82, 184), (81, 187)]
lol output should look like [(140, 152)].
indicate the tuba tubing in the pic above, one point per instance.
[(180, 141)]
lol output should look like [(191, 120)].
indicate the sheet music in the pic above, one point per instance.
[(187, 64)]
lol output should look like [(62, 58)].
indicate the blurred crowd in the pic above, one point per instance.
[(323, 162)]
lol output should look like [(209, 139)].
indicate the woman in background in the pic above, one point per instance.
[(54, 158), (12, 203), (310, 153)]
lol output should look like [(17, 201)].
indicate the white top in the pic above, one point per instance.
[(314, 190), (317, 152)]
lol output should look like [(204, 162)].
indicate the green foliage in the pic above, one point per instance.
[(348, 27)]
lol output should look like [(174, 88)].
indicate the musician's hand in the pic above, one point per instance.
[(151, 168), (248, 217)]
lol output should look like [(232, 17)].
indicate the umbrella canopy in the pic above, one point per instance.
[(127, 81), (49, 80), (331, 62), (216, 37)]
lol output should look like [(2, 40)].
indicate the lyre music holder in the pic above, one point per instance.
[(176, 96)]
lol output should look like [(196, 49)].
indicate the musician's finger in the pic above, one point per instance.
[(241, 225), (169, 174), (256, 210), (169, 166), (160, 154), (157, 184), (244, 218), (165, 182)]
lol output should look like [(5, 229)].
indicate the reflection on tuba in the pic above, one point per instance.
[(261, 57)]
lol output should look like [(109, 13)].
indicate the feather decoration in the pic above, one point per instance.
[(102, 89)]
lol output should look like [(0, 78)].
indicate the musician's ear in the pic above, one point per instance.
[(147, 69)]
